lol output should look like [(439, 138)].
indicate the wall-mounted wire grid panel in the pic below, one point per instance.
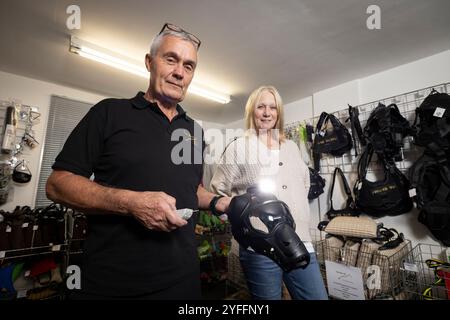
[(407, 104), (422, 281)]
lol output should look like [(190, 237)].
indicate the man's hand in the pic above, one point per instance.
[(155, 210)]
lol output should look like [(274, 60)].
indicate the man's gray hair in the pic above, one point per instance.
[(156, 43)]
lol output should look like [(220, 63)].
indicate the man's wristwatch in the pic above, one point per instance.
[(212, 206)]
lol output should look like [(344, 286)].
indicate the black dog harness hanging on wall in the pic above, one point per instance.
[(385, 130), (430, 175), (386, 197), (432, 122), (350, 207), (336, 141), (431, 179)]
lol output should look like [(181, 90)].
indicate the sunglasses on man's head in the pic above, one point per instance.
[(172, 27)]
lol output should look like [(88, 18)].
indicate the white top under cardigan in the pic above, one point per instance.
[(247, 160)]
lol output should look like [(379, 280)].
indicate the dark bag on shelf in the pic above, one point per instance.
[(79, 231), (19, 233), (24, 224), (16, 238), (38, 240), (4, 239), (350, 207), (27, 226), (389, 196), (335, 141), (317, 183), (48, 229), (80, 226), (15, 221), (52, 226)]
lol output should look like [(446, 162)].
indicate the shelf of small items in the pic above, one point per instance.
[(214, 239), (33, 253), (16, 143)]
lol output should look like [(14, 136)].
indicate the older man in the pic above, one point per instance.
[(138, 246)]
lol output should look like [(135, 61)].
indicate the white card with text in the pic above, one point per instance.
[(344, 282)]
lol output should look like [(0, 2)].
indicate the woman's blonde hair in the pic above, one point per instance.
[(252, 102)]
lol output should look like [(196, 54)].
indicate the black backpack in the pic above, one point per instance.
[(389, 196), (317, 183), (432, 122), (385, 130), (350, 206), (335, 142), (430, 176)]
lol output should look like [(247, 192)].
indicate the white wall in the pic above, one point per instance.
[(227, 132), (217, 143), (402, 79), (238, 124), (209, 125), (336, 98), (37, 94), (300, 109), (422, 73)]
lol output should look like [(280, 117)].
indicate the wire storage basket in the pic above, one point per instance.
[(380, 269), (426, 272)]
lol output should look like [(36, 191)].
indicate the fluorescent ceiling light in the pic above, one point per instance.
[(96, 53)]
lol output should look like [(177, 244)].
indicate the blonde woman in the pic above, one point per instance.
[(265, 156)]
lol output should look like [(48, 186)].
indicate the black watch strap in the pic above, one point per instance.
[(212, 205)]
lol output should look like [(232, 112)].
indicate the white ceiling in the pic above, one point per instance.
[(300, 46)]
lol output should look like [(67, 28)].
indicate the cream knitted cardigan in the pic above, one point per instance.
[(247, 161)]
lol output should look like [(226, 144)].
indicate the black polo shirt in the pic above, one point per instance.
[(130, 144)]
